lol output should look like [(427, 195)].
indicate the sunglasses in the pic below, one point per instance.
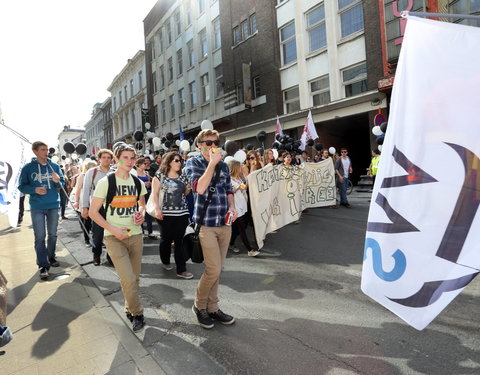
[(344, 152), (251, 158), (177, 160), (208, 142)]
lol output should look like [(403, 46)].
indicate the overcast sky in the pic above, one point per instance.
[(57, 58)]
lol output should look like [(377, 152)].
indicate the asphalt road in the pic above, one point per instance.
[(298, 309)]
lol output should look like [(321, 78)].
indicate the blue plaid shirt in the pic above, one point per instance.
[(217, 210)]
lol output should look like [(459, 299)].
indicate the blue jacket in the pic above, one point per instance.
[(35, 175)]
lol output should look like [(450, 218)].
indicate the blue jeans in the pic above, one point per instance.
[(343, 191), (39, 218), (97, 237)]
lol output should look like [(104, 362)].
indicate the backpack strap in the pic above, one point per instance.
[(92, 188), (138, 186), (111, 190)]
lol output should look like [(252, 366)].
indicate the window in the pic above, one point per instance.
[(171, 100), (178, 23), (170, 69), (205, 88), (217, 41), (160, 40), (219, 81), (162, 77), (192, 87), (317, 33), (191, 53), (289, 44), (154, 80), (131, 87), (132, 114), (244, 29), (188, 12), (169, 33), (253, 23), (236, 35), (152, 46), (291, 99), (155, 112), (203, 43), (201, 6), (164, 112), (355, 80), (465, 7), (126, 93), (181, 101), (120, 98), (179, 62), (239, 92), (351, 16), (256, 93), (140, 79), (320, 91), (114, 103)]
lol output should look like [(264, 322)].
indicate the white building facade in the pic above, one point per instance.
[(94, 130), (129, 96)]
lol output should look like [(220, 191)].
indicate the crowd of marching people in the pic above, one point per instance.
[(110, 191)]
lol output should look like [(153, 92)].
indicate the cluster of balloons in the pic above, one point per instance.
[(379, 132), (70, 148)]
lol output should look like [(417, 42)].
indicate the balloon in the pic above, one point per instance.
[(249, 147), (68, 147), (376, 130), (288, 147), (63, 157), (185, 145), (190, 140), (278, 137), (283, 139), (275, 144), (139, 145), (318, 146), (379, 140), (87, 160), (147, 152), (150, 135), (177, 142), (261, 135), (206, 124), (169, 137), (138, 135), (81, 149), (51, 150), (231, 147), (163, 139), (147, 125), (228, 159), (167, 144), (275, 153), (380, 147), (240, 156), (281, 146), (260, 150), (310, 142), (156, 142), (55, 159), (68, 160), (383, 127), (332, 150)]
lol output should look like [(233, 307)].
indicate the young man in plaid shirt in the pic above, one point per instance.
[(214, 234)]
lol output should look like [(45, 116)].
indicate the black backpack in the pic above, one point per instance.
[(112, 189)]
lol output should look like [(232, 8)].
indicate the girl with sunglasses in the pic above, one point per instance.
[(252, 163), (172, 217)]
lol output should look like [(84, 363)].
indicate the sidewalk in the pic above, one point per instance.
[(63, 325)]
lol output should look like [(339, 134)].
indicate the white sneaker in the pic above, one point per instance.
[(185, 275), (44, 273), (234, 249), (253, 253), (168, 267)]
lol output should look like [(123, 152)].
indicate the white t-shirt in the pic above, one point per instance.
[(346, 166), (240, 197)]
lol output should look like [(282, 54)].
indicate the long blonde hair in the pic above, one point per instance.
[(235, 168)]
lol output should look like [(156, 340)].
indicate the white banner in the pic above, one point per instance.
[(423, 230), (279, 194), (12, 159)]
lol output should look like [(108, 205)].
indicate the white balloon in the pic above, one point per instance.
[(156, 141), (184, 145), (275, 153), (240, 155), (74, 156), (206, 124), (177, 142), (228, 159), (376, 130), (55, 158), (147, 125), (68, 160), (147, 152), (379, 147), (332, 150), (87, 160)]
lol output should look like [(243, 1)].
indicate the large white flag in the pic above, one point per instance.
[(278, 128), (309, 131), (423, 231), (12, 159)]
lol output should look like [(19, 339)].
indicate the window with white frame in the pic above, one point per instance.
[(289, 44), (217, 41), (170, 69), (163, 111), (162, 77), (168, 30), (351, 16), (120, 98), (191, 53), (140, 79), (192, 88), (320, 91), (131, 88), (355, 79), (244, 30), (236, 35), (160, 40), (188, 12), (201, 6), (179, 62), (205, 88), (219, 84), (171, 100), (202, 35), (253, 23), (317, 33), (178, 22), (181, 101), (291, 100), (256, 92)]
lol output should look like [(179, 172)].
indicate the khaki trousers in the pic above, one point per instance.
[(214, 241), (126, 256)]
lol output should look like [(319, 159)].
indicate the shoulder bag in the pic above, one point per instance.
[(150, 208)]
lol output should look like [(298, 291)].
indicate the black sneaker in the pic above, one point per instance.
[(96, 261), (221, 317), (138, 323), (54, 262), (203, 317), (129, 316), (44, 273)]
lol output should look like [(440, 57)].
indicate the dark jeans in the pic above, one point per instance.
[(343, 191), (239, 226), (173, 229), (21, 208), (45, 222), (97, 236), (88, 226), (149, 222), (63, 202)]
